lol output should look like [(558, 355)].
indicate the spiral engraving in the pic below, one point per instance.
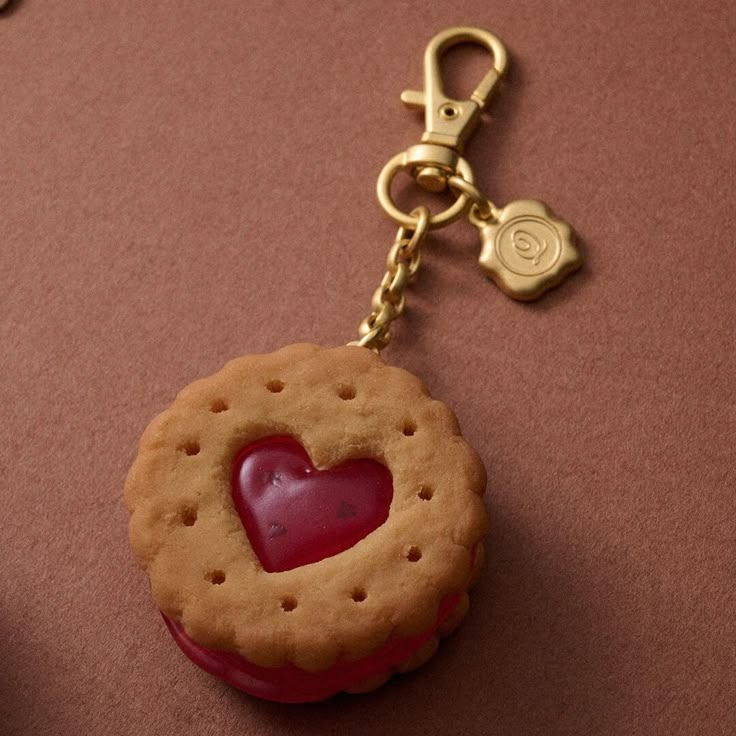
[(528, 245)]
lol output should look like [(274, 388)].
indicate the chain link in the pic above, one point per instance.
[(389, 300), (404, 257)]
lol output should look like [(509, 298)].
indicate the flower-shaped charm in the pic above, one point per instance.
[(527, 249)]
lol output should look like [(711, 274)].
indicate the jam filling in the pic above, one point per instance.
[(295, 514), (289, 684)]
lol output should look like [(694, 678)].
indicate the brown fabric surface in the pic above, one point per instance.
[(183, 182)]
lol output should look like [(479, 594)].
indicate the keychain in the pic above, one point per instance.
[(311, 520)]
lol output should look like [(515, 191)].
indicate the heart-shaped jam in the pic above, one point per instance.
[(295, 514)]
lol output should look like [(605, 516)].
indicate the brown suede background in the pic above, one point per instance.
[(184, 182)]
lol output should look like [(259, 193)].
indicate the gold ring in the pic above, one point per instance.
[(383, 190), (460, 185)]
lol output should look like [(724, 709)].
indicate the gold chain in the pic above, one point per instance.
[(388, 300)]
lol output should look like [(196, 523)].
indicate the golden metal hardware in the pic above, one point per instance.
[(409, 161), (401, 266), (450, 122), (527, 249)]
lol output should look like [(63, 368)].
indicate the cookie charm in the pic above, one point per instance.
[(311, 520)]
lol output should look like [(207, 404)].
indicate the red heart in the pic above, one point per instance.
[(295, 514)]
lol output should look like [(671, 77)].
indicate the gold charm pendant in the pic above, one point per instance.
[(526, 248)]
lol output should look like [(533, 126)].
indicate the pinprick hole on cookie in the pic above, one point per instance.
[(346, 393), (190, 448), (409, 429), (188, 515), (288, 604), (425, 493), (359, 595), (413, 554), (275, 386), (216, 577), (218, 406)]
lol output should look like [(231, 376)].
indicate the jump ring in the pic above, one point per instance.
[(483, 206), (383, 190)]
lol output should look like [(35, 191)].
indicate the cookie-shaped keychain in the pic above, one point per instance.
[(311, 520)]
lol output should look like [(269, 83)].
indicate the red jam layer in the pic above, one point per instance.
[(295, 514), (289, 684)]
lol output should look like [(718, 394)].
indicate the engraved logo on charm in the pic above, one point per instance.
[(528, 245), (527, 249)]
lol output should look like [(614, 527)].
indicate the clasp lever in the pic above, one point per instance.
[(450, 122)]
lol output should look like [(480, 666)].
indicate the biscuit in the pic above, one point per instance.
[(340, 404)]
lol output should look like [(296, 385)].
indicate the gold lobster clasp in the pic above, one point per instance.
[(450, 122), (437, 160)]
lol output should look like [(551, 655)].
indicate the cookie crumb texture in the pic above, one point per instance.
[(404, 581)]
